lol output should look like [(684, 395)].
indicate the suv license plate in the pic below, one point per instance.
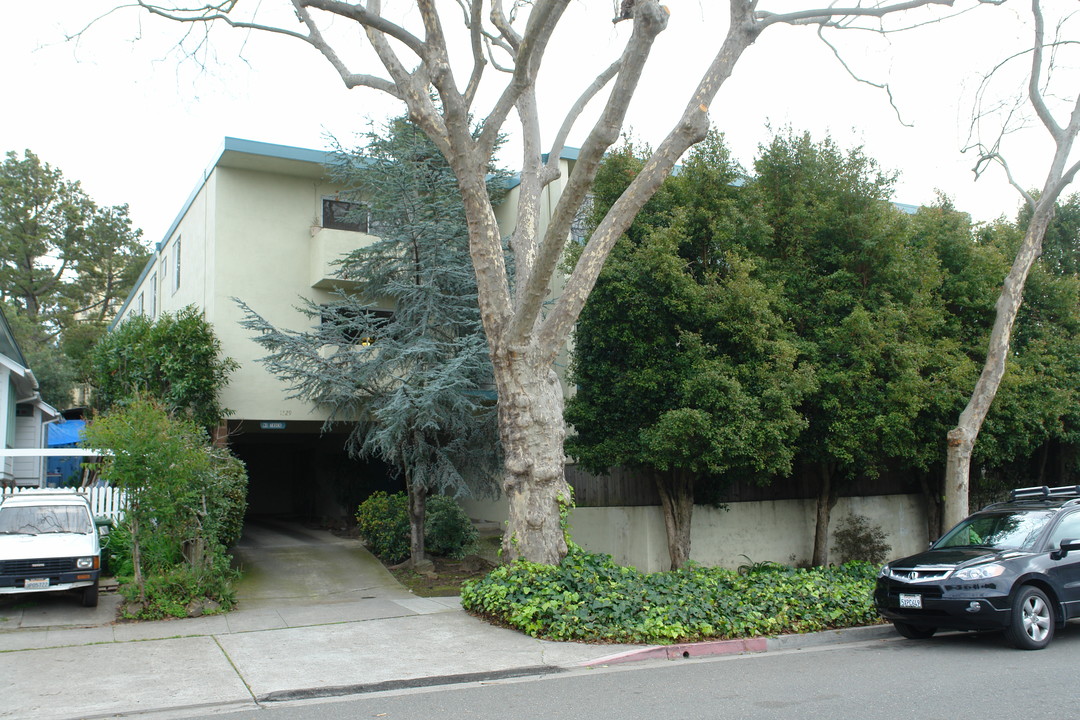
[(911, 601), (36, 583)]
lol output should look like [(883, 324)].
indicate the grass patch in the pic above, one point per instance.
[(450, 574), (590, 598), (446, 579)]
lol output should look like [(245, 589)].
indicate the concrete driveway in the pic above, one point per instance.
[(291, 575), (286, 564)]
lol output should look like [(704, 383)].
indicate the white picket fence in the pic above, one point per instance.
[(106, 502)]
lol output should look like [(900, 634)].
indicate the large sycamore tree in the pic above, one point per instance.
[(1056, 107), (420, 56)]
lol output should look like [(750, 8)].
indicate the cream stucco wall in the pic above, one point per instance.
[(269, 237), (252, 230), (254, 234), (779, 530)]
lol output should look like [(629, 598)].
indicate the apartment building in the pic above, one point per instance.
[(265, 224)]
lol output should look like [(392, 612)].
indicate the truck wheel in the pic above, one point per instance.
[(1031, 626), (90, 595)]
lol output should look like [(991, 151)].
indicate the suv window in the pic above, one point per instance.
[(43, 519), (1067, 529), (1004, 530)]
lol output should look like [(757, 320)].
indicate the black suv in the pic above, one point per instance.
[(1012, 566)]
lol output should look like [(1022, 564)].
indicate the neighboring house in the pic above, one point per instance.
[(23, 414), (265, 225)]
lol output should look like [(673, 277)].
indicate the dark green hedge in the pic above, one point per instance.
[(590, 598)]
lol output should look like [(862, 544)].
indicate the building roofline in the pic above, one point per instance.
[(229, 145), (5, 328), (245, 147), (568, 153)]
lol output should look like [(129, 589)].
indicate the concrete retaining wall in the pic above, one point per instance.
[(780, 530)]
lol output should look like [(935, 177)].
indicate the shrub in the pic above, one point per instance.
[(590, 598), (229, 499), (858, 540), (174, 590), (447, 529), (383, 520), (185, 502)]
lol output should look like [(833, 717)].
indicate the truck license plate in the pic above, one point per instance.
[(36, 583), (911, 601)]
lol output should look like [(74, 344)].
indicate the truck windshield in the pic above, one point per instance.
[(1005, 530), (43, 519)]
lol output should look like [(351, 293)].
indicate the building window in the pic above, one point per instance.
[(153, 295), (343, 321), (176, 265), (140, 306), (341, 215)]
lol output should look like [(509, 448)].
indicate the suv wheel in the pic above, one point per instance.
[(1031, 626), (914, 632), (90, 595)]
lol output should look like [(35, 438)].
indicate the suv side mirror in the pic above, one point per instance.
[(1067, 545)]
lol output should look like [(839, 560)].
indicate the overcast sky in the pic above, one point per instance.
[(127, 115)]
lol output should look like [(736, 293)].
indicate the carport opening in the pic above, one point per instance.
[(297, 472)]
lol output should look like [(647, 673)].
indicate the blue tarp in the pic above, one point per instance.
[(65, 434), (64, 471)]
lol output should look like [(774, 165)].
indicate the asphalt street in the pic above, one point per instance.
[(323, 630), (947, 677)]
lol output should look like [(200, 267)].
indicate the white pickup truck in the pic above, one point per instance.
[(49, 542)]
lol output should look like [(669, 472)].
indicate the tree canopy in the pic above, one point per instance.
[(797, 322), (66, 264), (684, 367), (175, 359)]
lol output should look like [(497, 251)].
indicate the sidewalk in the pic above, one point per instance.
[(250, 657), (318, 617)]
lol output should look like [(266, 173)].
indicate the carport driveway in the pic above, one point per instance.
[(286, 564)]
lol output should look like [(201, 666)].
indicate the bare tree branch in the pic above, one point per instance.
[(474, 22), (857, 78), (539, 28), (214, 12), (650, 19), (502, 24), (370, 19), (351, 80), (579, 106), (1034, 91), (987, 157), (834, 15)]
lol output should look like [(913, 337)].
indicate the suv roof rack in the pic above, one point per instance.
[(1042, 492)]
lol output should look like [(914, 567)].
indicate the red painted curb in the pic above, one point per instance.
[(686, 650)]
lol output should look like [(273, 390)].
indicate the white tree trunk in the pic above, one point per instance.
[(532, 431), (961, 439)]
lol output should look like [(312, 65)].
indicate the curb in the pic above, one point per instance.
[(745, 645)]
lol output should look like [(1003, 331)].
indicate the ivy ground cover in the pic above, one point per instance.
[(590, 598)]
